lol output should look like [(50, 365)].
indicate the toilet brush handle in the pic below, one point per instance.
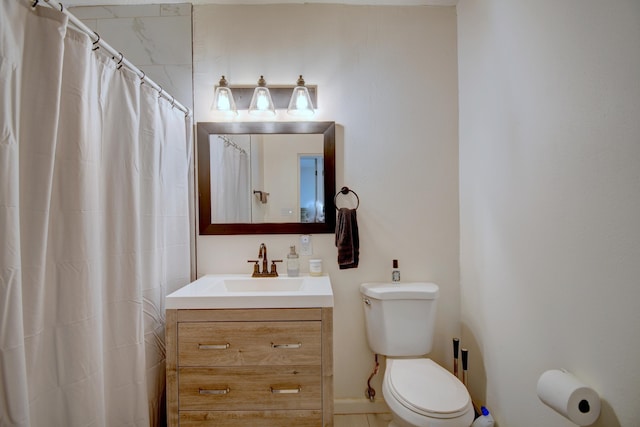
[(456, 345), (465, 365)]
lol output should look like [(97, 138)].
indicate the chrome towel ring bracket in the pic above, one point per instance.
[(346, 190)]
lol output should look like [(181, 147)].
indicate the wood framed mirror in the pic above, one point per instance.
[(286, 182)]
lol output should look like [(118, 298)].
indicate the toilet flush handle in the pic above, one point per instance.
[(367, 301)]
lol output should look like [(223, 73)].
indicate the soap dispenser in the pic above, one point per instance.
[(293, 263)]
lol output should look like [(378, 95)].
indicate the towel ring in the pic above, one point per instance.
[(346, 190)]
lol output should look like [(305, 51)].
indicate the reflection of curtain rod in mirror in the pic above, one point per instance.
[(228, 142)]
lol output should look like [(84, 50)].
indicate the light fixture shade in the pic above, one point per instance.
[(223, 102), (261, 102), (300, 103)]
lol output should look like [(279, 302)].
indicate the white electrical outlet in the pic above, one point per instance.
[(306, 246)]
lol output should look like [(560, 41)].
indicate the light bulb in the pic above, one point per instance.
[(301, 100), (262, 103), (300, 103), (223, 102)]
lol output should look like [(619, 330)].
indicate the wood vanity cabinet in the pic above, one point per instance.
[(250, 367)]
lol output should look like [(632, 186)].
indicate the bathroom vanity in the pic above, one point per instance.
[(250, 352)]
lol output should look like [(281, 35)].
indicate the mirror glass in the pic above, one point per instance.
[(244, 189), (266, 177)]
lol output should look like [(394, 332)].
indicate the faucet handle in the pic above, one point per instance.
[(274, 269), (256, 266)]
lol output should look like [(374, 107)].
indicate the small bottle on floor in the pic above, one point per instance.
[(484, 420)]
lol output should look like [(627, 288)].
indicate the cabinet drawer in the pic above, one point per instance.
[(251, 419), (250, 388), (249, 343)]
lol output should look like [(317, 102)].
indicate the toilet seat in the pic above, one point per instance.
[(426, 388)]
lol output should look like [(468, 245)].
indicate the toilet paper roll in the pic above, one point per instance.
[(564, 393)]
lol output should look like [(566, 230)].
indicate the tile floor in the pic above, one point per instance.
[(361, 420)]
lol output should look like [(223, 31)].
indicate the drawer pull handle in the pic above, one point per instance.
[(213, 346), (298, 345), (214, 391), (286, 390)]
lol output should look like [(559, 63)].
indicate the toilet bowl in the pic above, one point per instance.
[(421, 393), (400, 321)]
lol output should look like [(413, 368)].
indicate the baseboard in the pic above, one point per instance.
[(360, 406)]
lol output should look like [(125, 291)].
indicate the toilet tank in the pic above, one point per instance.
[(400, 317)]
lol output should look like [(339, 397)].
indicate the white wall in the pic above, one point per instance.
[(154, 37), (387, 76), (550, 202)]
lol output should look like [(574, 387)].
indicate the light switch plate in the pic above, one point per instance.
[(306, 246)]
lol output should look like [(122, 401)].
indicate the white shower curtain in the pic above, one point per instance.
[(230, 186), (94, 224)]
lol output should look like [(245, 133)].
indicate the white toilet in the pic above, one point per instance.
[(400, 320)]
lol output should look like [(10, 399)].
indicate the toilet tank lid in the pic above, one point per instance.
[(402, 290)]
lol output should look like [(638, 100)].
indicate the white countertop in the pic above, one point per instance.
[(242, 291)]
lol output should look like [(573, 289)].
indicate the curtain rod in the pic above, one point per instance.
[(229, 143), (117, 56)]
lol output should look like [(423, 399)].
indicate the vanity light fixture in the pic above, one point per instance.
[(261, 103), (300, 103), (223, 103)]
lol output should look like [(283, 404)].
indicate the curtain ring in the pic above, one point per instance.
[(119, 63), (95, 43), (159, 91), (35, 3), (173, 101), (142, 77), (61, 7)]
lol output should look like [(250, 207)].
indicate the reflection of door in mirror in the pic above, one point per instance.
[(311, 188), (281, 174)]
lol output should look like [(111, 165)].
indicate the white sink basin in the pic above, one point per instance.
[(264, 284), (244, 291)]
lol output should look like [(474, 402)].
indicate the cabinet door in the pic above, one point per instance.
[(249, 343), (250, 388)]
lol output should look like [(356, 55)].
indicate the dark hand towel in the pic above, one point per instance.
[(347, 238)]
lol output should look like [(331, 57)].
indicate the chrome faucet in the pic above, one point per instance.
[(262, 255)]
